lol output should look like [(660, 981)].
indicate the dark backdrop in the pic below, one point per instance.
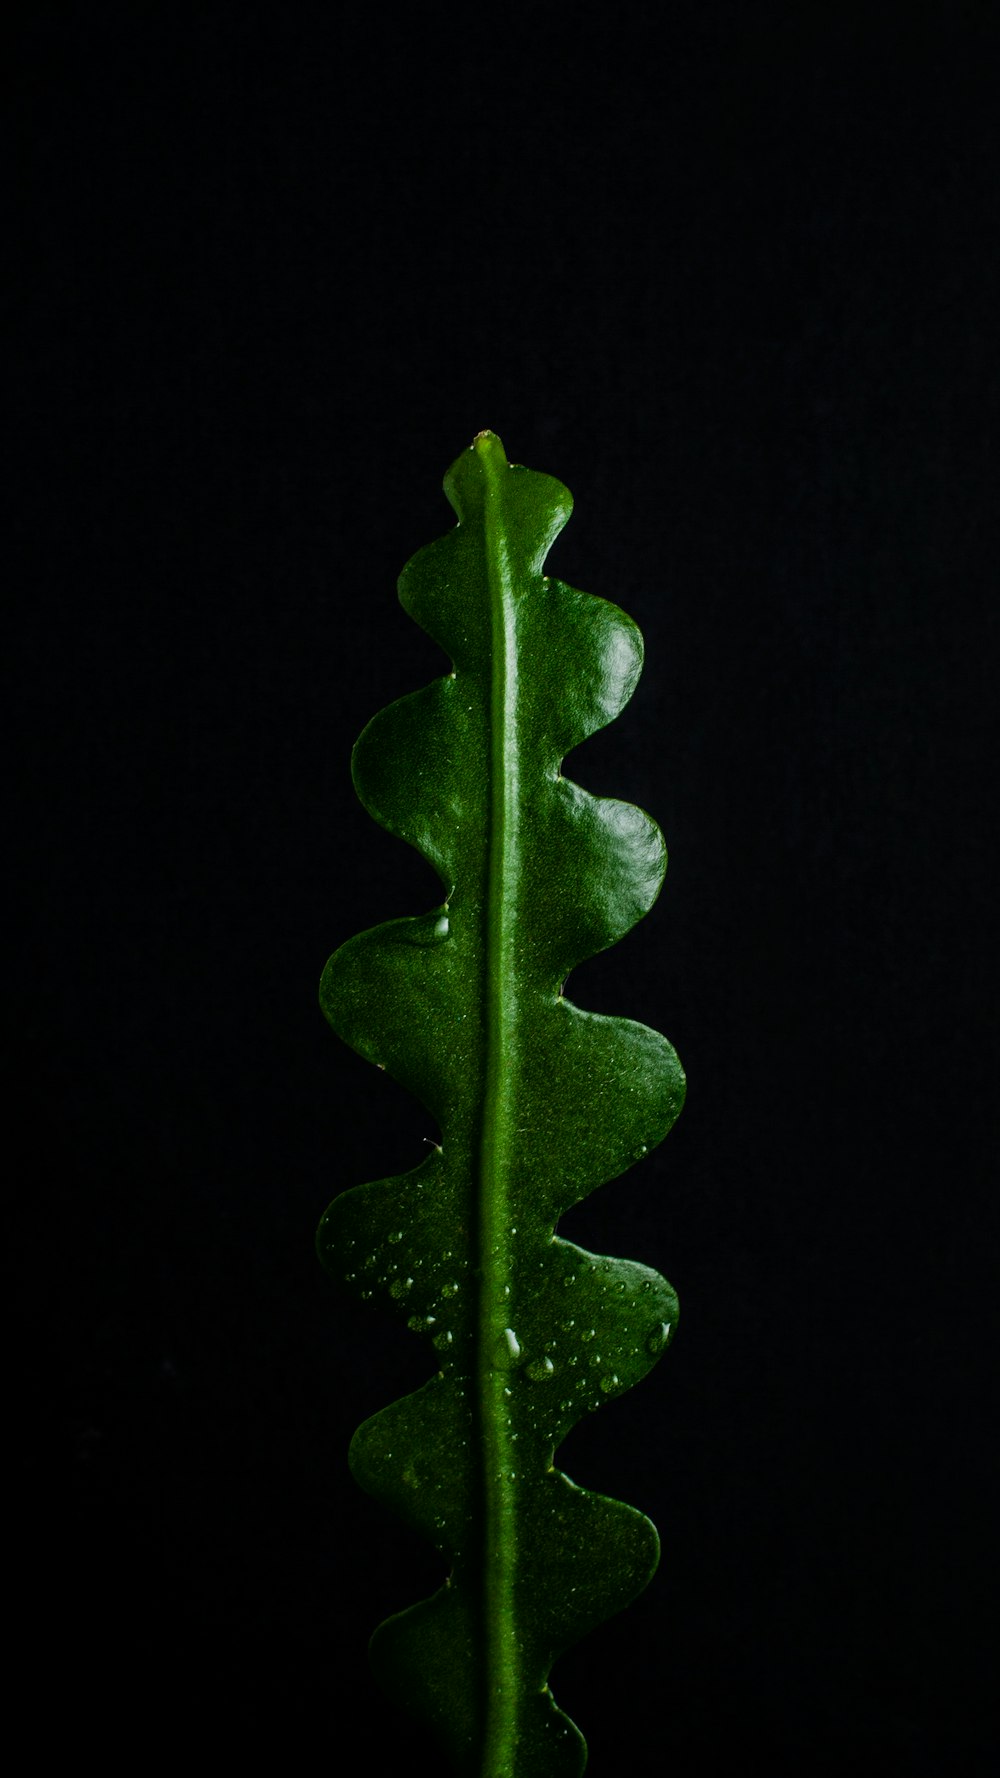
[(735, 286)]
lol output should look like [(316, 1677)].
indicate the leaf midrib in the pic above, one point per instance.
[(501, 1676)]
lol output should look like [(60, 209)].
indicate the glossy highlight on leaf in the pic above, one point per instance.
[(538, 1102)]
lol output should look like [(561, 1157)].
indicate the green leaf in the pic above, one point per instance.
[(538, 1103)]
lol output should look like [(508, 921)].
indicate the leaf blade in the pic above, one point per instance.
[(538, 1103)]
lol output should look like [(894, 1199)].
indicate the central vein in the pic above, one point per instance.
[(497, 1341)]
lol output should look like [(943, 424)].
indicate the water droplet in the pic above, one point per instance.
[(441, 927), (609, 1382), (450, 1289), (541, 1369), (421, 1323), (442, 1340), (588, 1333), (513, 1343), (399, 1287), (658, 1338), (569, 1279), (397, 1235)]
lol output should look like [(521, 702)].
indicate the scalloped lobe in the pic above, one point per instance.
[(538, 1103), (407, 767), (595, 655), (619, 862)]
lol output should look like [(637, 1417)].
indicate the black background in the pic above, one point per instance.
[(735, 285)]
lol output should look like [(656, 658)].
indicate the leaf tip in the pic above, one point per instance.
[(488, 446)]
